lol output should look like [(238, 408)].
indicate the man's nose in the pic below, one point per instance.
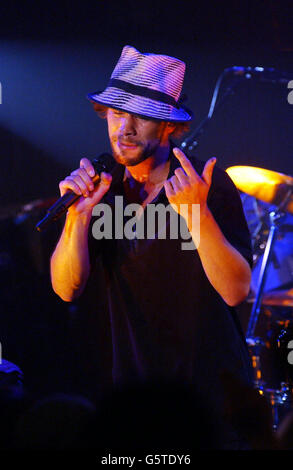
[(128, 125)]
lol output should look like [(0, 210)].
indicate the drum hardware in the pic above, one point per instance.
[(279, 336), (280, 401), (278, 298), (275, 219), (279, 397), (276, 189), (255, 346)]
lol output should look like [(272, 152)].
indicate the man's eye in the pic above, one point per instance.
[(142, 118)]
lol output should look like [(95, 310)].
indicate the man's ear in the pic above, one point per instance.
[(171, 127)]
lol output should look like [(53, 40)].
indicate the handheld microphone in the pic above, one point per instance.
[(104, 162), (268, 74)]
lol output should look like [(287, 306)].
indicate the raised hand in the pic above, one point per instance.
[(186, 186)]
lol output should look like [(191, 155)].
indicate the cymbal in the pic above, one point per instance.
[(280, 298), (266, 185), (13, 210)]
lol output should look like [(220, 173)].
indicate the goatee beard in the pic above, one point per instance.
[(124, 160)]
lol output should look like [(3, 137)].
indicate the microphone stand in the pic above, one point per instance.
[(269, 74), (192, 140)]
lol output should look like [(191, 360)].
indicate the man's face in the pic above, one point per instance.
[(133, 139)]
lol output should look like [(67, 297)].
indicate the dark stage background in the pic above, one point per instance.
[(51, 57)]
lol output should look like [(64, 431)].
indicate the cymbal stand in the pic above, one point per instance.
[(275, 217), (280, 397)]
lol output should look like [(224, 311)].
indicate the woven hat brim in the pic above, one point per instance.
[(140, 105)]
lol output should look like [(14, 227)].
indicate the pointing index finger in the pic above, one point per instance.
[(185, 163)]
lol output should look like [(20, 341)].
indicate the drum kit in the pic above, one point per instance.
[(267, 198)]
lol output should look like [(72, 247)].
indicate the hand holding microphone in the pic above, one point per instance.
[(82, 189), (87, 184)]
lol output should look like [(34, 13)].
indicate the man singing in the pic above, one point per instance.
[(171, 310)]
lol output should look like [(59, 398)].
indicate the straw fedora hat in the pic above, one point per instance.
[(148, 85)]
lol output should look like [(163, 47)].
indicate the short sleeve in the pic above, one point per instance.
[(226, 206)]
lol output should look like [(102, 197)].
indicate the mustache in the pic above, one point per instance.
[(127, 141)]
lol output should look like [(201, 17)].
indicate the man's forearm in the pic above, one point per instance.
[(227, 270), (70, 264)]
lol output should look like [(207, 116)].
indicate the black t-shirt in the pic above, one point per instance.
[(161, 317)]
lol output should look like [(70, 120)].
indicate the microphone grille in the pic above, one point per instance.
[(105, 162)]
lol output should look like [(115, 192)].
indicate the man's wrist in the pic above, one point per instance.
[(204, 217), (81, 217), (76, 221), (205, 214)]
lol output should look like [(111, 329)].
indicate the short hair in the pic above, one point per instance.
[(180, 129)]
